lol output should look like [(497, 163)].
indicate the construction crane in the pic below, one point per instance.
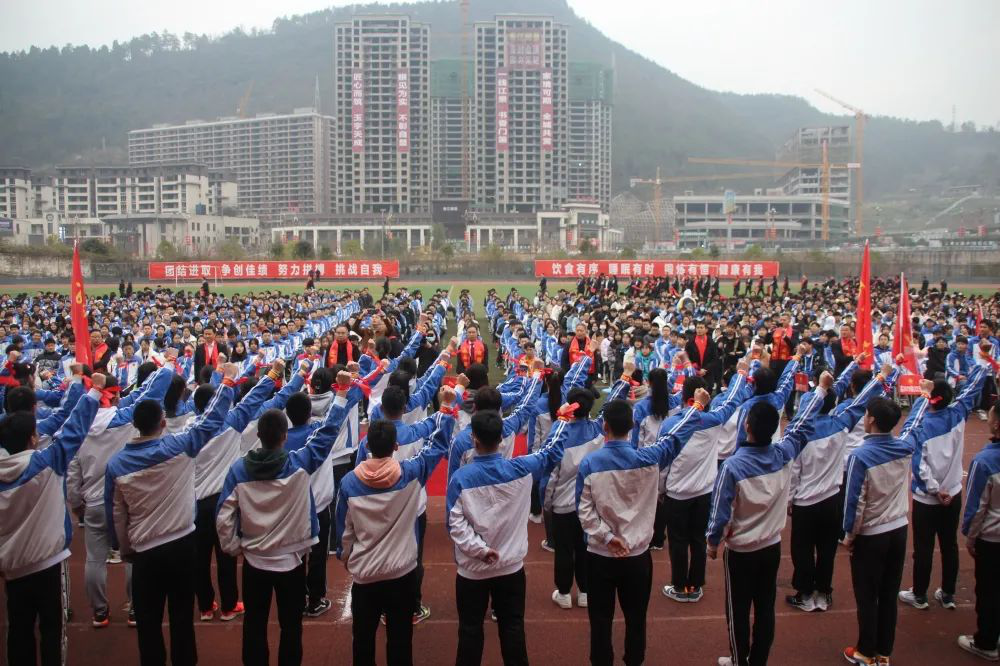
[(859, 152), (824, 166), (659, 181), (241, 109)]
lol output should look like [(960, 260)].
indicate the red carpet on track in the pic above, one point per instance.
[(437, 485)]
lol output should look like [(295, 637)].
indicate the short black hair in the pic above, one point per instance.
[(144, 370), (202, 396), (321, 380), (298, 408), (147, 417), (381, 438), (692, 384), (487, 398), (16, 430), (762, 422), (401, 379), (765, 381), (860, 380), (244, 387), (393, 401), (943, 392), (829, 402), (487, 428), (20, 399), (478, 375), (584, 398), (885, 412), (618, 418), (272, 428)]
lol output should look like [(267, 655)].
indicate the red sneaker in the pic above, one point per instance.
[(853, 656), (232, 614), (209, 615)]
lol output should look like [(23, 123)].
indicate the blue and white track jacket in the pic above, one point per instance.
[(462, 449), (274, 517), (583, 436), (692, 472), (149, 495), (112, 427), (487, 507), (982, 496), (875, 500), (376, 527), (35, 528), (750, 498), (937, 462), (616, 486)]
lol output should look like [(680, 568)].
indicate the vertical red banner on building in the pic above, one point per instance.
[(403, 110), (503, 107), (357, 111), (547, 110)]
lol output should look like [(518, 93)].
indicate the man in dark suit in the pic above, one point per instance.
[(208, 352), (703, 353)]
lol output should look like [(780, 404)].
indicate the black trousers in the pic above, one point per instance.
[(316, 576), (876, 571), (987, 594), (630, 578), (815, 531), (419, 571), (571, 552), (164, 575), (507, 595), (208, 543), (395, 599), (687, 521), (286, 586), (660, 522), (938, 521), (35, 598), (751, 580)]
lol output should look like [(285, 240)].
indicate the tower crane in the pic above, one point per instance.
[(859, 151), (824, 166)]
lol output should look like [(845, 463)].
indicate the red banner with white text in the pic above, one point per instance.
[(272, 270), (730, 270)]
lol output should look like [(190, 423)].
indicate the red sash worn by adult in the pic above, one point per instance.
[(212, 355), (472, 351), (333, 356), (576, 353)]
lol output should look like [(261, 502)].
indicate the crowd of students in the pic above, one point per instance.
[(278, 428)]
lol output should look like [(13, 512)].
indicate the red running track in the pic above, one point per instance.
[(678, 633)]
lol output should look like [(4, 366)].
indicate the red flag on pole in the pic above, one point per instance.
[(902, 339), (979, 319), (863, 333), (78, 311)]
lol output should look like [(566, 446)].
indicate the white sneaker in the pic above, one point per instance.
[(982, 415), (822, 601), (536, 518), (114, 557), (725, 661), (968, 644), (581, 599), (907, 597), (546, 546), (564, 601), (946, 600)]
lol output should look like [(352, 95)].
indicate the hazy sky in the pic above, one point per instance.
[(908, 58)]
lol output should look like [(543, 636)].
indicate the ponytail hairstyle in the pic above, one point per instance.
[(659, 393), (553, 383)]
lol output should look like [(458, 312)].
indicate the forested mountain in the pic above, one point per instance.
[(59, 105)]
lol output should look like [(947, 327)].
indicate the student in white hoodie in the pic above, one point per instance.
[(377, 508), (112, 427), (266, 512), (149, 497), (35, 528)]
